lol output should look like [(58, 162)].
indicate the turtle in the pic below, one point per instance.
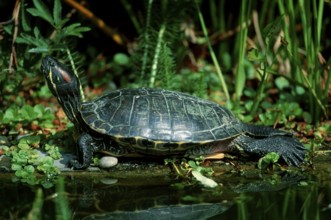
[(160, 123)]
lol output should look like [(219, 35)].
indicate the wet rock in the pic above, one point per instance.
[(107, 162), (5, 163), (63, 163)]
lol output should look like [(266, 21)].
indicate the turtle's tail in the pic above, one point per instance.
[(263, 131)]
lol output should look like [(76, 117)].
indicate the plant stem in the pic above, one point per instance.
[(240, 77), (133, 18), (213, 56), (157, 55), (146, 40)]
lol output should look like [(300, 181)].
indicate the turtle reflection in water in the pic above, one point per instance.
[(159, 122), (179, 212), (158, 198), (152, 199)]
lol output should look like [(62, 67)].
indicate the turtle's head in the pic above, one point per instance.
[(64, 84), (59, 78)]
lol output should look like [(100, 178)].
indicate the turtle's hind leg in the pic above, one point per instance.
[(288, 148)]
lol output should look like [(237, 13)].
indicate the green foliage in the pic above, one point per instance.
[(289, 49), (53, 151), (27, 116), (278, 50), (27, 162), (33, 41), (46, 166), (217, 66), (43, 92), (196, 165), (319, 136), (279, 79), (154, 56), (284, 113), (240, 77), (268, 161), (194, 168), (111, 70), (63, 30), (53, 33)]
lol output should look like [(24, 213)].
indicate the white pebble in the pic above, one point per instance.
[(107, 162)]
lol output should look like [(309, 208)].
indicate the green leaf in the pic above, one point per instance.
[(36, 40), (192, 164), (36, 33), (11, 114), (44, 92), (41, 10), (27, 112), (57, 12), (255, 55), (32, 140), (42, 113), (74, 30), (39, 110), (15, 166), (271, 31), (121, 59), (19, 173), (307, 117), (46, 165), (282, 83), (207, 171), (23, 144), (248, 105), (60, 25), (24, 154), (25, 39), (268, 159), (39, 50), (21, 158), (53, 151), (25, 22), (29, 169), (300, 90)]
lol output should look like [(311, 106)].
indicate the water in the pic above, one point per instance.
[(153, 193)]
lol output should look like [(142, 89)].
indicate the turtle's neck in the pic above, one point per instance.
[(70, 103)]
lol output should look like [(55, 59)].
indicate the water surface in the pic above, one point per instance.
[(155, 193)]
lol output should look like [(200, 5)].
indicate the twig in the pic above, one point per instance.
[(98, 22), (220, 35), (13, 59)]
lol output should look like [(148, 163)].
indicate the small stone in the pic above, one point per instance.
[(107, 162)]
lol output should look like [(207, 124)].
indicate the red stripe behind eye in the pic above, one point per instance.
[(64, 75)]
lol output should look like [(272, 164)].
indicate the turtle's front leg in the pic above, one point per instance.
[(85, 152)]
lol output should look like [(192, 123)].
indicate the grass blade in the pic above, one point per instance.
[(212, 54)]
